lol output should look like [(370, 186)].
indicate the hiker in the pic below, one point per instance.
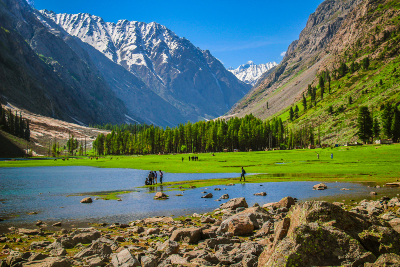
[(242, 175), (331, 155), (182, 159), (317, 156), (189, 158), (161, 176), (147, 181), (151, 176), (155, 177)]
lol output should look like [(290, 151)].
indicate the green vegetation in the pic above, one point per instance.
[(106, 195), (14, 124)]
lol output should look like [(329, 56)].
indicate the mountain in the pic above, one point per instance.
[(41, 73), (190, 79), (299, 67), (347, 57), (250, 73)]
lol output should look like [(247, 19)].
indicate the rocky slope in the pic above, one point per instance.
[(41, 73), (250, 73), (190, 79), (299, 67), (312, 233)]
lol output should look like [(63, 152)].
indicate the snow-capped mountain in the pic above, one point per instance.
[(189, 78), (250, 72)]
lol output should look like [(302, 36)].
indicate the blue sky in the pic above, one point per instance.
[(234, 31)]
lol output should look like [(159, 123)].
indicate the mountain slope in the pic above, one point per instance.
[(41, 73), (299, 67), (190, 79), (250, 73)]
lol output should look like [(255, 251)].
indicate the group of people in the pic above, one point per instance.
[(194, 158), (152, 178)]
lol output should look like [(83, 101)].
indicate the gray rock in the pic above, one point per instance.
[(209, 195), (96, 248), (124, 259), (39, 245), (49, 262), (58, 252), (187, 235), (149, 261), (380, 240), (37, 257), (86, 238), (224, 196), (169, 247), (235, 203), (87, 200), (239, 224), (97, 261)]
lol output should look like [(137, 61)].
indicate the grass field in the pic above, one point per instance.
[(372, 161)]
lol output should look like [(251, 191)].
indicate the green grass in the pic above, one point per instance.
[(106, 195), (371, 162)]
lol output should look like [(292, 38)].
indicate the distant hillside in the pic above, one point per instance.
[(11, 146), (369, 29)]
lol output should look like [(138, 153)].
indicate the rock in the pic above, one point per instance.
[(260, 194), (249, 260), (87, 200), (209, 195), (239, 224), (86, 238), (96, 248), (149, 261), (212, 243), (316, 245), (169, 247), (380, 240), (136, 229), (388, 216), (394, 202), (38, 223), (281, 229), (58, 252), (320, 186), (209, 233), (124, 259), (345, 189), (235, 203), (389, 259), (265, 229), (395, 224), (217, 189), (39, 245), (37, 257), (49, 262), (160, 196), (158, 220), (177, 260), (57, 224), (285, 202), (97, 261), (23, 231), (153, 231), (207, 219), (224, 196), (373, 193), (187, 235)]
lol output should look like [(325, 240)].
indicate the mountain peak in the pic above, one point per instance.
[(250, 72)]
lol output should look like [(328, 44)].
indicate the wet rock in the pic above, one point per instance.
[(316, 245), (209, 195), (389, 259), (286, 202), (320, 186), (260, 194), (239, 224), (124, 259), (235, 203), (87, 200), (169, 247), (217, 189), (224, 196), (187, 235), (49, 262), (160, 196)]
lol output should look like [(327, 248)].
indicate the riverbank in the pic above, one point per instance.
[(284, 233)]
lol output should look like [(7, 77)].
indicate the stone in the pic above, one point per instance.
[(86, 238), (207, 219), (388, 259), (87, 200), (158, 220), (265, 229), (153, 231), (320, 186), (49, 262), (235, 203), (373, 193), (187, 235), (217, 189), (239, 224), (395, 224), (160, 196), (96, 248), (285, 202), (224, 196), (124, 259), (209, 233), (380, 240), (57, 224), (136, 229), (58, 252), (97, 261), (177, 260), (313, 244), (149, 261), (37, 257), (212, 243), (169, 247), (260, 194), (23, 231), (209, 195), (39, 244)]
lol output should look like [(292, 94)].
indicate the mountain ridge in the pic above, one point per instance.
[(250, 73)]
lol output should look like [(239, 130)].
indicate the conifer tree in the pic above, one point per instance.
[(376, 129), (291, 114), (304, 102), (387, 118), (321, 86), (364, 124), (16, 124), (10, 122), (296, 112), (396, 125), (27, 131)]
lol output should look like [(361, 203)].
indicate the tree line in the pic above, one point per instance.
[(14, 124)]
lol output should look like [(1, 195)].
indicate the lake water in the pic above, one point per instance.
[(47, 190)]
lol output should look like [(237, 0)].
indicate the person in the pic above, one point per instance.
[(151, 175), (331, 155), (242, 175), (147, 181), (155, 177), (317, 156), (161, 176), (189, 158), (182, 159)]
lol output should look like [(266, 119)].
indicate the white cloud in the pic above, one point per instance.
[(283, 53)]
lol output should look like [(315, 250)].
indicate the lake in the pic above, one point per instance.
[(47, 190)]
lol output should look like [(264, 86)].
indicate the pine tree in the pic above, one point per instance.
[(364, 124), (2, 118), (27, 132), (376, 128), (296, 112), (10, 122), (304, 102), (387, 117), (16, 124), (21, 127), (291, 114), (321, 86), (396, 125), (365, 63), (329, 83), (350, 100)]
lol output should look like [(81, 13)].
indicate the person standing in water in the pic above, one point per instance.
[(161, 176), (155, 177), (242, 175)]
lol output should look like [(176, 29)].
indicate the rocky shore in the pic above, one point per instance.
[(314, 233)]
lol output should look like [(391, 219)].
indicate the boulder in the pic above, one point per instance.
[(207, 219), (169, 247), (37, 257), (149, 261), (260, 194), (39, 244), (87, 200), (239, 224), (395, 224), (153, 231), (389, 259), (86, 238), (320, 186), (373, 193), (235, 203), (313, 244), (124, 259), (187, 235), (58, 224), (209, 233), (136, 229), (177, 260), (158, 220), (160, 196), (24, 231), (58, 252), (285, 202), (212, 243), (96, 261), (224, 196), (209, 195), (49, 262), (380, 240), (96, 248)]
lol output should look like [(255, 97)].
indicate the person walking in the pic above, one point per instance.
[(189, 158), (182, 159), (155, 177), (242, 175), (331, 155), (161, 176)]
